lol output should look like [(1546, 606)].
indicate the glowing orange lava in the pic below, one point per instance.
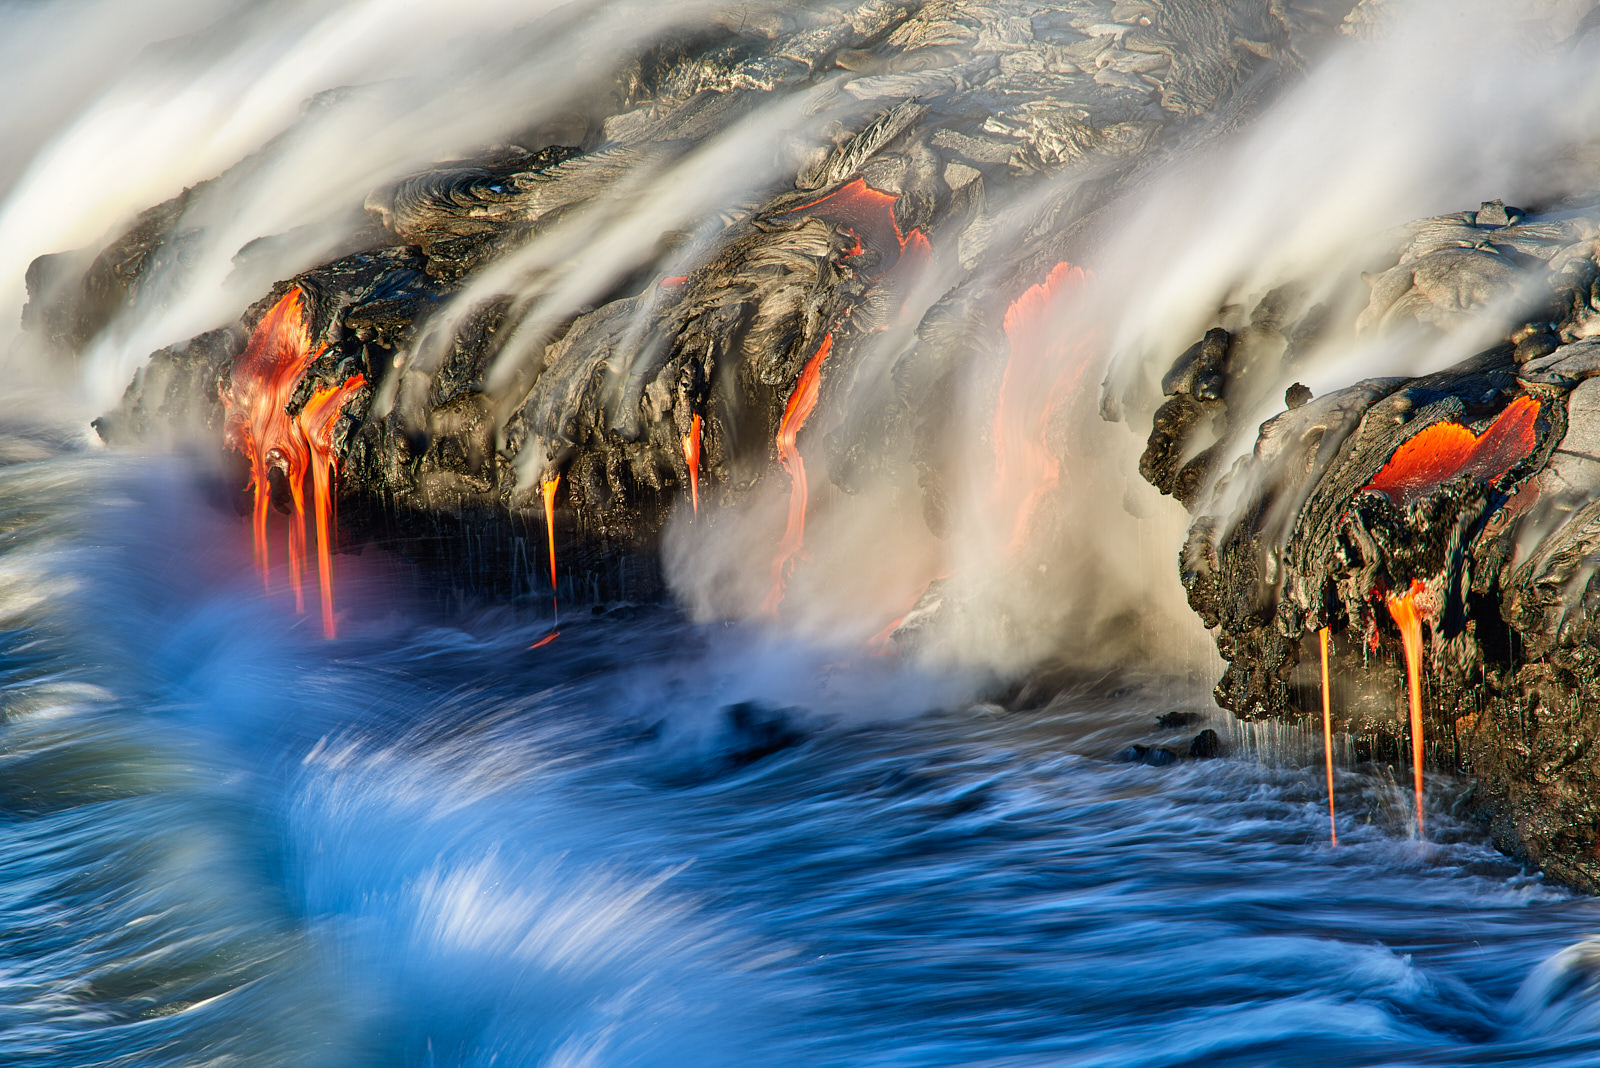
[(1032, 390), (258, 425), (546, 640), (549, 486), (1443, 451), (1327, 734), (869, 215), (1408, 610), (802, 402), (315, 423), (691, 456)]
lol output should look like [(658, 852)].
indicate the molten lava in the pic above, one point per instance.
[(1446, 450), (258, 425), (315, 423), (1032, 390), (1409, 609), (691, 456), (1327, 734), (549, 486), (869, 215), (802, 402)]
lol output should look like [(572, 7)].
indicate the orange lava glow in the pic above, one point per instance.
[(881, 639), (691, 456), (546, 640), (802, 402), (549, 486), (1409, 609), (257, 424), (316, 421), (1327, 734), (869, 215), (1032, 390), (1443, 451)]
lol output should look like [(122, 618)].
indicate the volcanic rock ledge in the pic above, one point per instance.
[(475, 398), (1475, 491)]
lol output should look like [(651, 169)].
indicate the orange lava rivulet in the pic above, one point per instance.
[(868, 215), (258, 425), (1408, 610), (1033, 387), (802, 402), (691, 456)]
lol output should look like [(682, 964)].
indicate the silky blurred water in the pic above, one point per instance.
[(224, 841)]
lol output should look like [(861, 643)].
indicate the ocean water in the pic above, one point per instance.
[(225, 841)]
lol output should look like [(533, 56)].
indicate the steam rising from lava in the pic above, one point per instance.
[(1045, 536), (163, 95)]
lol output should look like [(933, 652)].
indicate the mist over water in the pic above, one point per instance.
[(682, 834)]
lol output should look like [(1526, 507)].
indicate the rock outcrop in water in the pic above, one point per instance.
[(1473, 488)]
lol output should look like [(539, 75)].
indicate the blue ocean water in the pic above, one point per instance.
[(224, 841)]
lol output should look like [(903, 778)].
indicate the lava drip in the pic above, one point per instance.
[(548, 487), (1032, 390), (315, 423), (1327, 734), (1408, 610), (257, 423), (1446, 450), (691, 456), (802, 402)]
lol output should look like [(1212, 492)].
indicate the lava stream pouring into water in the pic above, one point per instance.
[(1327, 734), (548, 489), (802, 402), (315, 423), (256, 422), (1408, 610), (691, 456), (1033, 387), (260, 426)]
